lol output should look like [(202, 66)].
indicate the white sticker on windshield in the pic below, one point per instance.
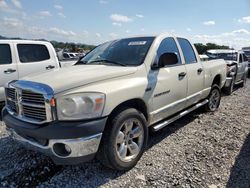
[(137, 43)]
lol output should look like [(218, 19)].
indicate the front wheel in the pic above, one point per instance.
[(213, 99), (124, 140)]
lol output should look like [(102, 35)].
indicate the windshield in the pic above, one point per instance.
[(247, 53), (225, 56), (126, 52)]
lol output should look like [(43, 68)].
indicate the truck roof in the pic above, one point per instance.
[(221, 51), (246, 48), (24, 41), (156, 36)]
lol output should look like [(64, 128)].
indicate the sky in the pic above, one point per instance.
[(225, 22)]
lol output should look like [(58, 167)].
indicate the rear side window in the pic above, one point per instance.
[(32, 52), (187, 50), (241, 60), (5, 54)]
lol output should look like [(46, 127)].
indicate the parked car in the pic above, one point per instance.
[(67, 55), (65, 59), (204, 57), (19, 58), (104, 106), (237, 67), (246, 50)]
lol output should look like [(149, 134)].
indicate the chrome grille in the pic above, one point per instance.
[(11, 93), (31, 97), (11, 99), (26, 105), (34, 112)]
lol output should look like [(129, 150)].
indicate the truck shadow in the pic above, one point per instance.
[(240, 172)]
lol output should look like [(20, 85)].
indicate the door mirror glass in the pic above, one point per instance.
[(168, 59)]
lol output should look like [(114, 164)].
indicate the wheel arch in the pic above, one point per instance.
[(217, 80), (136, 103)]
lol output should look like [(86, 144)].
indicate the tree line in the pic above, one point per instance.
[(72, 47), (202, 48)]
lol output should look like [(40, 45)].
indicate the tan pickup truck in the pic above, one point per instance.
[(104, 105)]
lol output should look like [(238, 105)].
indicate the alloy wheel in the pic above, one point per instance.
[(129, 140), (214, 100)]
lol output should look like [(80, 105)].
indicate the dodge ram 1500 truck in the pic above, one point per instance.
[(105, 105)]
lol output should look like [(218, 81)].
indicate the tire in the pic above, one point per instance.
[(229, 90), (244, 80), (213, 99), (120, 149)]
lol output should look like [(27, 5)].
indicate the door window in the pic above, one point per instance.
[(32, 53), (187, 50), (5, 54), (168, 45), (241, 59)]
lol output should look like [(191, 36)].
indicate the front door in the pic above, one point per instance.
[(170, 88), (34, 58), (8, 67)]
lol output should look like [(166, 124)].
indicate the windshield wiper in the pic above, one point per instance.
[(80, 63), (107, 61)]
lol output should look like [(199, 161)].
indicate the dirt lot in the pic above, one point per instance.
[(200, 150)]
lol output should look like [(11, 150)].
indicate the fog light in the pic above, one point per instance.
[(61, 149)]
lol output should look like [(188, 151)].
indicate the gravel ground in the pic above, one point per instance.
[(199, 150)]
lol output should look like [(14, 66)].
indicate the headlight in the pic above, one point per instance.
[(80, 106)]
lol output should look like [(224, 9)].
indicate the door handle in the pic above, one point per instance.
[(9, 71), (182, 74), (50, 67), (199, 70)]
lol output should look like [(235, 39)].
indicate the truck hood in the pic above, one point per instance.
[(68, 78)]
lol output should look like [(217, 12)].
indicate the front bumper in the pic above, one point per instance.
[(228, 81), (65, 142)]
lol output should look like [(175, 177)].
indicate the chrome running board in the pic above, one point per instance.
[(178, 116), (239, 82)]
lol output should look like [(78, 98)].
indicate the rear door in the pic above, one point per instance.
[(195, 72), (8, 67), (169, 92), (34, 58)]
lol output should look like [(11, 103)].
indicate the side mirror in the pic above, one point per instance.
[(167, 59)]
